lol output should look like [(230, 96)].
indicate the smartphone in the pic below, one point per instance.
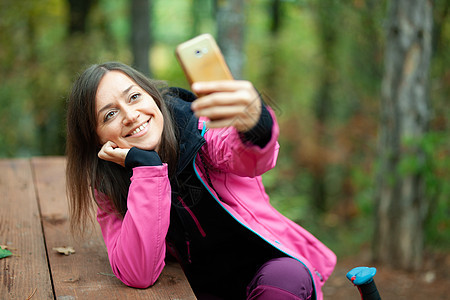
[(202, 60)]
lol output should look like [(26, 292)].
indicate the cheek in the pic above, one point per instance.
[(106, 134), (161, 125), (101, 137), (157, 115)]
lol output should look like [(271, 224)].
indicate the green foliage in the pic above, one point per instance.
[(437, 177), (4, 253)]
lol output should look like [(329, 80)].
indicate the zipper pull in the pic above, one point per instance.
[(188, 246)]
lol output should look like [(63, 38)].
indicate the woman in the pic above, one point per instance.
[(173, 173)]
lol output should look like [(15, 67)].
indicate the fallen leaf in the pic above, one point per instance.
[(6, 247), (64, 250), (4, 253)]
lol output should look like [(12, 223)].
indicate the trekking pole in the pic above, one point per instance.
[(362, 278)]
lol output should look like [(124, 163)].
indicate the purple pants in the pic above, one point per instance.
[(281, 278)]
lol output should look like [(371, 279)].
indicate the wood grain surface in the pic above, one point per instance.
[(20, 229), (33, 193)]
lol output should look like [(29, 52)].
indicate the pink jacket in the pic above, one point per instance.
[(136, 244)]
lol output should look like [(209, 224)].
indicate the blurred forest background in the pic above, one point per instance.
[(322, 65)]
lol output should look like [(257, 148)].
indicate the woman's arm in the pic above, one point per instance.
[(243, 133), (228, 151), (136, 244)]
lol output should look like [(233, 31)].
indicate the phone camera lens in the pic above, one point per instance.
[(198, 53)]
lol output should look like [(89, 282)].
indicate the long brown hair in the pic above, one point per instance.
[(85, 172)]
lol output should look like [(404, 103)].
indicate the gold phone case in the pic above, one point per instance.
[(202, 60)]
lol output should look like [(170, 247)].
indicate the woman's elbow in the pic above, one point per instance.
[(141, 279), (140, 284)]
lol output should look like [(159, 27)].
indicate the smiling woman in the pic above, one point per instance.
[(172, 172), (127, 116), (86, 117)]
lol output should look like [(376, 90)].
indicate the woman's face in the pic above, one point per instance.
[(126, 114)]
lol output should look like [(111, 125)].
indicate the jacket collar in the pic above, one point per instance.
[(189, 136)]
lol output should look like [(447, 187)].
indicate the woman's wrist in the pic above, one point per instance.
[(137, 158), (261, 133)]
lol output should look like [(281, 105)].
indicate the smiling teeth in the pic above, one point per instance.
[(137, 130)]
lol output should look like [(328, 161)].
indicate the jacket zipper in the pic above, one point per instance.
[(197, 223), (188, 247), (264, 239)]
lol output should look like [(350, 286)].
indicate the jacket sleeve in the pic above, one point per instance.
[(136, 244), (229, 152)]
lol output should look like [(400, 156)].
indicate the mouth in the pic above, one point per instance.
[(138, 129)]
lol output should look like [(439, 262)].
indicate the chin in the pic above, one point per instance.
[(145, 147)]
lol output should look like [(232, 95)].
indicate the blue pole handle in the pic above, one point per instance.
[(361, 275), (362, 278)]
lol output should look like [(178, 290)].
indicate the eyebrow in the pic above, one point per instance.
[(107, 106)]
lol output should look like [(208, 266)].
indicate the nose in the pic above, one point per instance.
[(130, 116)]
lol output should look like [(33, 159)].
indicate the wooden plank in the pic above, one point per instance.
[(87, 273), (20, 228)]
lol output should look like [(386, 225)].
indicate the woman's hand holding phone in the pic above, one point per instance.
[(227, 103)]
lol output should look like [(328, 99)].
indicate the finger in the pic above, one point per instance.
[(109, 149), (235, 122), (206, 87), (105, 149), (111, 152), (105, 152), (241, 119), (102, 154), (221, 99), (221, 112), (115, 152), (109, 144), (239, 97)]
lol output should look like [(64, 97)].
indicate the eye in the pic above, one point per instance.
[(135, 97), (109, 115)]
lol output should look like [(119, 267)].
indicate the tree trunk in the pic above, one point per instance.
[(78, 13), (276, 13), (141, 35), (400, 196), (230, 16), (327, 16)]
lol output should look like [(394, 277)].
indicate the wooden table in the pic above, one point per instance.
[(34, 220)]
